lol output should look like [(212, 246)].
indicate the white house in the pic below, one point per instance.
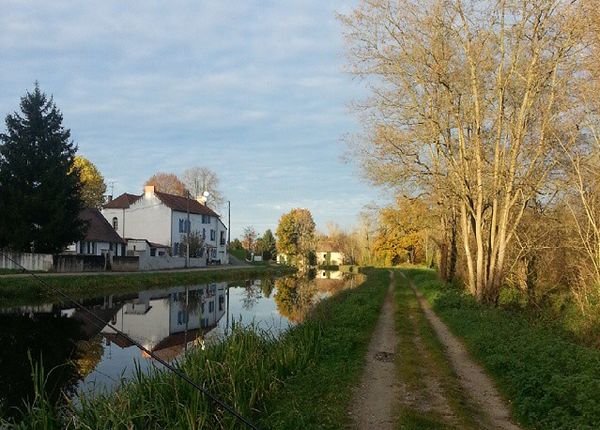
[(166, 219), (100, 238), (328, 255)]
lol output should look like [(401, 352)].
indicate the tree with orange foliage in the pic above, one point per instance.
[(167, 183)]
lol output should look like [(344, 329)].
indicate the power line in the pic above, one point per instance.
[(101, 324)]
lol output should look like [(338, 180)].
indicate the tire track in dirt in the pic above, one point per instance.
[(471, 375)]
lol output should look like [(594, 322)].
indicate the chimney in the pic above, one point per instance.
[(148, 191), (109, 198)]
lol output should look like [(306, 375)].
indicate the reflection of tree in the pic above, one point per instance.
[(88, 355), (252, 294), (294, 297), (266, 286), (47, 336)]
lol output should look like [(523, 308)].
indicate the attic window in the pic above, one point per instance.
[(115, 223)]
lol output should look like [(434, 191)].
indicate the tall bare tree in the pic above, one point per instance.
[(200, 179), (467, 98)]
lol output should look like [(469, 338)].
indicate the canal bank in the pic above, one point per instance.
[(27, 289), (272, 380)]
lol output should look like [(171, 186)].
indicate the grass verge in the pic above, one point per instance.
[(15, 291), (421, 357), (553, 383), (318, 398), (303, 379)]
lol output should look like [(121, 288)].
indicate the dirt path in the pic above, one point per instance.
[(374, 400), (471, 376)]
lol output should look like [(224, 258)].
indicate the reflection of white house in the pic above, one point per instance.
[(162, 218), (100, 237), (167, 320), (329, 274)]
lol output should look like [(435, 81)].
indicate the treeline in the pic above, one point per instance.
[(483, 117)]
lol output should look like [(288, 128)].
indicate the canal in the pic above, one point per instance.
[(82, 356)]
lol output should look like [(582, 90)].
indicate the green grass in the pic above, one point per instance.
[(16, 291), (10, 271), (303, 379), (318, 398), (417, 362), (552, 382)]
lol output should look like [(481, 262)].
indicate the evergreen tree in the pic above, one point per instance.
[(39, 187), (268, 245)]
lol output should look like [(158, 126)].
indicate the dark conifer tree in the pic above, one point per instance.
[(39, 188)]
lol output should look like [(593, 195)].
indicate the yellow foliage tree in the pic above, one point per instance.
[(92, 182)]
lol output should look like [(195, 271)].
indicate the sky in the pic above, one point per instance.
[(255, 90)]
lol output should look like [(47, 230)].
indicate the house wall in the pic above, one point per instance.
[(125, 264), (148, 218), (109, 214), (79, 263), (167, 262), (196, 224), (39, 262), (331, 258)]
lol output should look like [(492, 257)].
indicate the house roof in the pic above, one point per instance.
[(180, 204), (176, 203), (150, 244), (122, 202), (327, 246), (99, 230)]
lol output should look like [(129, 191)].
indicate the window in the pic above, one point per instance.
[(213, 235), (182, 318), (203, 233), (222, 238), (176, 248), (184, 225), (221, 301), (211, 306), (115, 223), (205, 219)]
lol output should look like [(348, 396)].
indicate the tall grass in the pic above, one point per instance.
[(241, 371)]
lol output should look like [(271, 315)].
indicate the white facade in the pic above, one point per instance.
[(151, 219), (332, 258)]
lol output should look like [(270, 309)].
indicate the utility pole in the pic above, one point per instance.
[(187, 228), (228, 223)]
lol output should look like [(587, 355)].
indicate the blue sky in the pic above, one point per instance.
[(255, 90)]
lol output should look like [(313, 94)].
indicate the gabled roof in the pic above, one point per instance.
[(122, 202), (179, 203), (99, 230), (176, 203)]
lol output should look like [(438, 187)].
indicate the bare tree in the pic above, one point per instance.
[(200, 179), (467, 97)]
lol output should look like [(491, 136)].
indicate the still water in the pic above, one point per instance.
[(84, 355)]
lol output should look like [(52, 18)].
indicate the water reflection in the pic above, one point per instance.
[(87, 356)]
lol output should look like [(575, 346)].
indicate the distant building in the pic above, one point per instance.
[(328, 255), (162, 218), (100, 238), (138, 246)]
